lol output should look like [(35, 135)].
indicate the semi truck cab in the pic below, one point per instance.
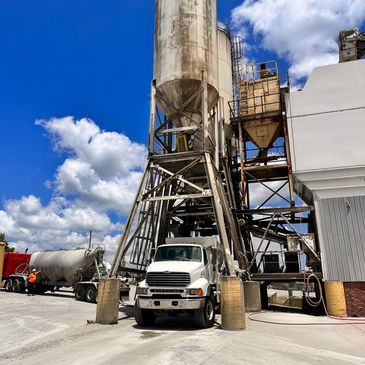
[(183, 277)]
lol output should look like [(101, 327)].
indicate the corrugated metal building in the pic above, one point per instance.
[(326, 122)]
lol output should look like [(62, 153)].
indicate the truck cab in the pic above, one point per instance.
[(183, 278)]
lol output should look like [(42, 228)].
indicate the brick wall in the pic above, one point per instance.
[(355, 298)]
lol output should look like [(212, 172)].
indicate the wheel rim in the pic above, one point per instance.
[(79, 293), (209, 310), (90, 294), (9, 285), (16, 286)]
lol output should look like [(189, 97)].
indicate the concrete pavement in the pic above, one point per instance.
[(53, 329)]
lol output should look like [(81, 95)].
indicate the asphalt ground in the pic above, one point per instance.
[(54, 329)]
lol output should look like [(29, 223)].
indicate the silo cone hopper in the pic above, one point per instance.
[(260, 106), (263, 133), (185, 53)]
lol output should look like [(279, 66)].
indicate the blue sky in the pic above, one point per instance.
[(93, 59)]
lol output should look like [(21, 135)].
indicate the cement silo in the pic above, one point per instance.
[(182, 192), (185, 47)]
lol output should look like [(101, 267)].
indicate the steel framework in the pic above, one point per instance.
[(263, 161), (186, 188)]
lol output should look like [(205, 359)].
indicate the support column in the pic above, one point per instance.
[(151, 147), (124, 238), (232, 304), (107, 310), (219, 216), (205, 112)]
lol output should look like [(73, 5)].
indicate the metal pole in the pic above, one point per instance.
[(219, 216), (243, 190), (151, 147), (124, 238), (204, 111), (262, 241), (90, 235), (216, 135)]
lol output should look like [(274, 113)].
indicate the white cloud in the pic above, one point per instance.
[(99, 176), (103, 168), (108, 153), (304, 32)]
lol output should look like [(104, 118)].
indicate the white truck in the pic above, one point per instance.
[(183, 278)]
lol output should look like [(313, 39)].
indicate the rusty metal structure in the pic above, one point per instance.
[(262, 162), (218, 131), (351, 45), (186, 189)]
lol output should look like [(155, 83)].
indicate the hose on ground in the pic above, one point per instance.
[(313, 303)]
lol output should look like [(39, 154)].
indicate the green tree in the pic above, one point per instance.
[(7, 247)]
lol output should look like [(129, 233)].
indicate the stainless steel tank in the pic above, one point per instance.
[(225, 70), (66, 266), (185, 46)]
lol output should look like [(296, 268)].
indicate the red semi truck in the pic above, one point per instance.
[(14, 262)]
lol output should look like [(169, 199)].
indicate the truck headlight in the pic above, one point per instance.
[(199, 292), (141, 291)]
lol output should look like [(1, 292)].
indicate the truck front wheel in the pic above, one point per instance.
[(205, 317), (9, 285), (144, 317)]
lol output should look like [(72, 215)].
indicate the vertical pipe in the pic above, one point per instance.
[(216, 135), (151, 147), (247, 190), (288, 159), (242, 165), (205, 112), (90, 236), (223, 136)]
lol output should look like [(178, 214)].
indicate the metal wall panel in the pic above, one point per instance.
[(341, 228)]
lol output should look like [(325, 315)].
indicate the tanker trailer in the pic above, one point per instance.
[(78, 268), (70, 268)]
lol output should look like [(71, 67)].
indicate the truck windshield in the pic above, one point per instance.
[(178, 253)]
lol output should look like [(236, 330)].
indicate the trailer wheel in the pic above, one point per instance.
[(80, 293), (9, 285), (144, 317), (205, 317), (17, 286), (91, 293)]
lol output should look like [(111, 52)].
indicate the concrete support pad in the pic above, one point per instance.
[(107, 309)]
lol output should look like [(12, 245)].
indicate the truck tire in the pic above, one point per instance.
[(91, 294), (144, 317), (80, 293), (17, 286), (205, 317), (9, 285)]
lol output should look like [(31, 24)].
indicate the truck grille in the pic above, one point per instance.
[(180, 279), (167, 291)]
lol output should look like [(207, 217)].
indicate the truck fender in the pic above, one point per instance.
[(202, 283)]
